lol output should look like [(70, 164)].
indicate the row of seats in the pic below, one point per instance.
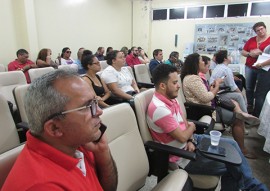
[(127, 146)]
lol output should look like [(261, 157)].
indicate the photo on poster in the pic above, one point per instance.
[(201, 39), (223, 40), (200, 48), (212, 39)]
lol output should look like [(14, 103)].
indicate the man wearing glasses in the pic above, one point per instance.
[(62, 152), (133, 58)]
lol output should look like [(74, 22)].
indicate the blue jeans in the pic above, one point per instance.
[(262, 88), (233, 177), (251, 79)]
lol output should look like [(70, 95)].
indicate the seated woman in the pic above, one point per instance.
[(65, 58), (196, 91), (91, 64), (44, 59), (118, 78)]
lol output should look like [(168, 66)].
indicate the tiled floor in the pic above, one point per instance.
[(260, 166)]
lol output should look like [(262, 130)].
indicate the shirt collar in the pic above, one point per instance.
[(36, 145), (164, 99)]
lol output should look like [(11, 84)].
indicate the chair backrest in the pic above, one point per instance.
[(181, 98), (2, 68), (67, 66), (19, 93), (147, 65), (131, 71), (103, 64), (37, 72), (7, 160), (141, 73), (126, 146), (141, 101), (9, 137), (8, 81)]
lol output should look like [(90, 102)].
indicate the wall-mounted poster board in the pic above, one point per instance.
[(210, 38)]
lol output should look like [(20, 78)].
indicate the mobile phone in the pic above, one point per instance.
[(102, 130)]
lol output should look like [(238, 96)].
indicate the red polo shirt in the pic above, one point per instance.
[(131, 60), (16, 65), (42, 167)]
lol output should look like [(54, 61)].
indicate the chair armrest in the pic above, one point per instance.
[(174, 181), (196, 111), (158, 157), (202, 127), (145, 85), (170, 150), (23, 125)]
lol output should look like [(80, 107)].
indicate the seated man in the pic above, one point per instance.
[(22, 63), (133, 58), (60, 153), (100, 53), (167, 125), (158, 57)]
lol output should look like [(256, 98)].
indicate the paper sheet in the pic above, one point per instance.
[(262, 58)]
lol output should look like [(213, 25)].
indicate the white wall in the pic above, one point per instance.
[(37, 24), (162, 33)]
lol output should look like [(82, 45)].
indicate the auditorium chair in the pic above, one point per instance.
[(129, 153), (37, 72), (9, 137), (141, 102)]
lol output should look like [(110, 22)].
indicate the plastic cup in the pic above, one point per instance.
[(215, 137)]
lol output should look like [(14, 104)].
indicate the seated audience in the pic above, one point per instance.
[(168, 126), (118, 78), (91, 64), (143, 56), (81, 70), (124, 49), (66, 57), (222, 70), (175, 61), (198, 91), (132, 59), (158, 57), (60, 152), (100, 53), (44, 59), (108, 50), (22, 63), (239, 79)]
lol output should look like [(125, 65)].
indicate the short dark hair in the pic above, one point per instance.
[(174, 54), (206, 59), (258, 24), (161, 73), (191, 65), (87, 58), (111, 55), (63, 51), (221, 55), (21, 52), (155, 52)]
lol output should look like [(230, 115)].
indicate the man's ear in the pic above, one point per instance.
[(53, 128), (162, 86)]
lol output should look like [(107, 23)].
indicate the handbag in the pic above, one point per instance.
[(224, 103)]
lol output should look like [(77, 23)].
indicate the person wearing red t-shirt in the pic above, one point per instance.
[(255, 75), (65, 148), (133, 58), (22, 63)]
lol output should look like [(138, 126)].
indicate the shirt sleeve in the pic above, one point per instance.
[(229, 80), (109, 76), (198, 89)]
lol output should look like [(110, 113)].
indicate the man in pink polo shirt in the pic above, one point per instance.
[(168, 126), (64, 150), (22, 63)]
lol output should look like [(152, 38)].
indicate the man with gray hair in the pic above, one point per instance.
[(62, 151)]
